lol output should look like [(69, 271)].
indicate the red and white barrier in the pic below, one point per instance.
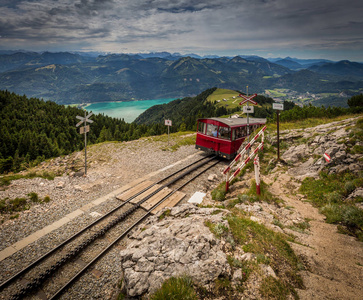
[(244, 150), (238, 157), (257, 174)]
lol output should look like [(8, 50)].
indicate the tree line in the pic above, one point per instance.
[(33, 130)]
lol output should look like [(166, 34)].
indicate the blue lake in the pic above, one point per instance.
[(129, 111)]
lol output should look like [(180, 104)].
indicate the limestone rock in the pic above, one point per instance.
[(249, 208), (358, 192), (60, 185), (267, 270), (248, 256), (78, 188), (212, 177), (177, 245), (295, 153)]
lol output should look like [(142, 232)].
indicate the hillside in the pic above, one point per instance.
[(33, 130), (276, 245), (69, 78)]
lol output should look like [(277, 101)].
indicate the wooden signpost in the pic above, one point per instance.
[(168, 123), (83, 130)]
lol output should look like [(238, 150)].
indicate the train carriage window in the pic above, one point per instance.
[(201, 127), (239, 132), (212, 130), (224, 133)]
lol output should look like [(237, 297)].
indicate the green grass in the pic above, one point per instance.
[(7, 179), (276, 93), (220, 94), (306, 123), (218, 229), (272, 288), (271, 248), (13, 205), (176, 288), (328, 194), (219, 193)]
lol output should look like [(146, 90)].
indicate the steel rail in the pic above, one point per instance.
[(36, 282), (40, 259), (103, 252)]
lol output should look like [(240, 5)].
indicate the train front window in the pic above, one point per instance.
[(212, 130), (225, 133), (201, 127)]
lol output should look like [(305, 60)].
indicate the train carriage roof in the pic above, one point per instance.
[(232, 122)]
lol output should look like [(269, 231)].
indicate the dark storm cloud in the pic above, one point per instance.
[(204, 26)]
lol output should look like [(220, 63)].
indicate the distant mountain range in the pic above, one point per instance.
[(67, 77)]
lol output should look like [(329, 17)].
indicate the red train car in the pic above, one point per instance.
[(224, 136)]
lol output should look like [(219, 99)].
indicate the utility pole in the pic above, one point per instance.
[(278, 107)]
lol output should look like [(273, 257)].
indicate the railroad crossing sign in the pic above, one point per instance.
[(247, 99), (248, 110), (83, 130), (84, 119)]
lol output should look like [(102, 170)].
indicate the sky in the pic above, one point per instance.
[(330, 29)]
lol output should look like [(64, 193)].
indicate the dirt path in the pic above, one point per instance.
[(334, 261)]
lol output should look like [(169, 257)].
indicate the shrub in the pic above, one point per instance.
[(334, 197), (349, 187), (17, 204), (33, 197), (46, 199)]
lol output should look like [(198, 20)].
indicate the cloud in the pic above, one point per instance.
[(183, 25)]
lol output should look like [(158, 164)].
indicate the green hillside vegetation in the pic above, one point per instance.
[(184, 112), (33, 130)]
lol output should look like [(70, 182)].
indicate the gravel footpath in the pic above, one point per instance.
[(110, 166)]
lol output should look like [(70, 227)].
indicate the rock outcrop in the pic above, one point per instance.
[(308, 152), (174, 246)]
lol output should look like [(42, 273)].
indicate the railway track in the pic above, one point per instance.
[(45, 277)]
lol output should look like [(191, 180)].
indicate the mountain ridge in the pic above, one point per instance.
[(75, 78)]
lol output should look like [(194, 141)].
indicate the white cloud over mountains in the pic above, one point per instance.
[(327, 28)]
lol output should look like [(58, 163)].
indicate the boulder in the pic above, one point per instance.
[(60, 185), (296, 153), (212, 177), (178, 245)]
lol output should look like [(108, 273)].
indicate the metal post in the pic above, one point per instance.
[(85, 144), (168, 136), (257, 175), (278, 136), (248, 125)]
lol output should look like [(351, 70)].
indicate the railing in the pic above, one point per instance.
[(240, 155)]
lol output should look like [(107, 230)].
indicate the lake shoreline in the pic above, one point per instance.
[(127, 110)]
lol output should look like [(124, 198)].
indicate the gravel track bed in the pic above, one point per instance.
[(111, 166)]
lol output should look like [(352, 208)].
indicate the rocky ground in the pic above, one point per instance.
[(332, 261), (177, 242)]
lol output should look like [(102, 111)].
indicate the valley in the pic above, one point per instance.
[(73, 78)]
